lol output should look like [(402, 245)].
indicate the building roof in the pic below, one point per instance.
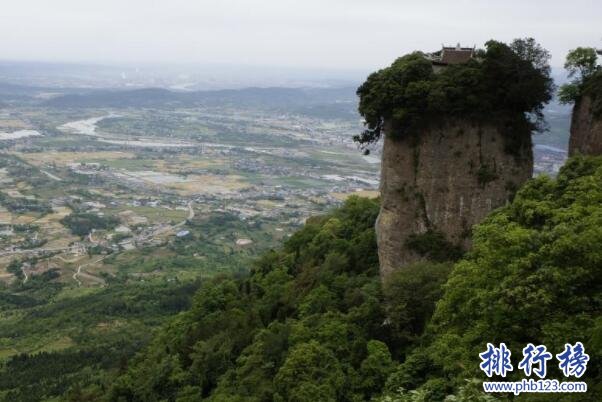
[(452, 55), (456, 55)]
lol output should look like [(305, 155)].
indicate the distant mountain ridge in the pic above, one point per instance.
[(248, 96)]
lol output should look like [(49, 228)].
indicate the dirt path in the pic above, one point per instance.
[(189, 217), (60, 257), (88, 275), (53, 177)]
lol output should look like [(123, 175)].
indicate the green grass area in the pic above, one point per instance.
[(159, 214), (301, 182), (340, 158), (57, 345), (74, 292), (246, 138), (67, 141), (7, 352), (125, 163), (154, 124)]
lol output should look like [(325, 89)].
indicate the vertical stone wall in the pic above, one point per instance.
[(586, 129), (446, 182)]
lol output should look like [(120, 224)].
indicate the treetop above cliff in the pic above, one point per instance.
[(586, 77), (500, 81)]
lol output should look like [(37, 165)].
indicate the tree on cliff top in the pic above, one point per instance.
[(582, 67), (509, 83)]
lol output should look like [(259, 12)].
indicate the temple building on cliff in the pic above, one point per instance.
[(451, 55)]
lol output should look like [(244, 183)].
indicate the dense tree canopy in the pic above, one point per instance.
[(508, 83), (586, 78), (582, 67), (82, 223), (581, 63)]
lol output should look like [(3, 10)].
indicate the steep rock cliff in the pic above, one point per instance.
[(442, 182), (586, 129)]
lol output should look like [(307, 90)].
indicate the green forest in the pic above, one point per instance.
[(312, 322), (78, 338)]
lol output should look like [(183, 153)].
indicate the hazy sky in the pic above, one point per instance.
[(334, 34)]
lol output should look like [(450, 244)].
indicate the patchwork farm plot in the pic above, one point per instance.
[(88, 195)]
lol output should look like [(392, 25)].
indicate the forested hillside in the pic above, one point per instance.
[(307, 324), (75, 339), (313, 323)]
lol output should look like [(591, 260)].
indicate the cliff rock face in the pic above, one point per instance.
[(586, 130), (445, 182)]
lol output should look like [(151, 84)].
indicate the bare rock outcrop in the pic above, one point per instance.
[(443, 181), (586, 129)]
